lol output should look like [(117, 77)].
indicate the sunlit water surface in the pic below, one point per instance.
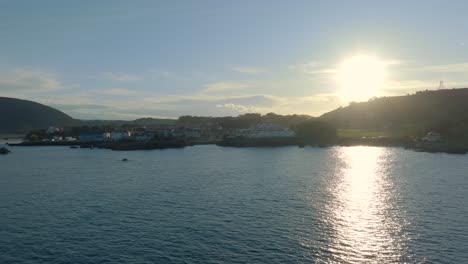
[(208, 204)]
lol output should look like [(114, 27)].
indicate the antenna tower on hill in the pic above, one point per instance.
[(441, 85)]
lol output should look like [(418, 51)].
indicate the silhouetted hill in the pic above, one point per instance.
[(422, 109), (17, 116), (246, 120), (147, 121)]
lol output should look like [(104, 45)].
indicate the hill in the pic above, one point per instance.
[(246, 120), (118, 123), (418, 112), (19, 116)]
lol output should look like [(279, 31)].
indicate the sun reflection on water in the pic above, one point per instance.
[(362, 210)]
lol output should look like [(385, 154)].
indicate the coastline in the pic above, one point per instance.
[(243, 142)]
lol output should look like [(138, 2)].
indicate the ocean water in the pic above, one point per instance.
[(208, 204)]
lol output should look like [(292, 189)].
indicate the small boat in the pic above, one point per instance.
[(125, 159), (73, 147)]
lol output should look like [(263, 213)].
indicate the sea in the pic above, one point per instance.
[(210, 204)]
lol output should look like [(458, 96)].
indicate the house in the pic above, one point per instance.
[(91, 136), (57, 139), (106, 135), (264, 131), (193, 133), (432, 137), (120, 135), (184, 132), (142, 136)]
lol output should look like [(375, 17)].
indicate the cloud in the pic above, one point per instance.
[(117, 91), (122, 77), (316, 67), (446, 68), (402, 87), (409, 85), (250, 70), (156, 73), (72, 107), (85, 105), (313, 67), (28, 80), (224, 86), (242, 109)]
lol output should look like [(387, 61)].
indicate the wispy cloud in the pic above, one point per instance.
[(123, 77), (402, 87), (446, 68), (117, 92), (313, 67), (241, 109), (316, 67), (72, 107), (157, 73), (29, 80), (150, 74), (249, 70), (224, 86)]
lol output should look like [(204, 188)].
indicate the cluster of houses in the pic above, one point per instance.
[(262, 131), (194, 134), (432, 137), (143, 134)]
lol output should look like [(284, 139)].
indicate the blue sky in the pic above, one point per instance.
[(129, 59)]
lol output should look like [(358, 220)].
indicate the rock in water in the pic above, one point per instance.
[(4, 150)]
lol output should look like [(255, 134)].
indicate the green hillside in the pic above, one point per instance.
[(410, 114), (20, 116)]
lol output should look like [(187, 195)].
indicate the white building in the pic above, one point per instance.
[(57, 139), (107, 135), (69, 139)]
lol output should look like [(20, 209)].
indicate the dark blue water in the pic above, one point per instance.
[(208, 204)]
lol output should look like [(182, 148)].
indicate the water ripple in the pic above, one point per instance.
[(226, 205)]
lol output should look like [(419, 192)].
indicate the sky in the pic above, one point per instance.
[(130, 59)]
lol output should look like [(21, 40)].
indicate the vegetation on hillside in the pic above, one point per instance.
[(411, 116), (315, 132), (247, 120), (21, 116), (443, 111)]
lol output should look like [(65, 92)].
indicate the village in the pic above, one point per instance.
[(257, 134), (155, 136)]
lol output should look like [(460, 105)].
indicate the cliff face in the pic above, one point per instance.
[(19, 116)]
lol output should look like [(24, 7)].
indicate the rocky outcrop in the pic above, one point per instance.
[(4, 151)]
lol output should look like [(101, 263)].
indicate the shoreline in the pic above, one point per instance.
[(150, 145)]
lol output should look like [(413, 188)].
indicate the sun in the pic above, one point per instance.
[(360, 77)]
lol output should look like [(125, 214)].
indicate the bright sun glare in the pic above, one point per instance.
[(360, 77)]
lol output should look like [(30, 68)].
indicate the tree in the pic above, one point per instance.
[(315, 132)]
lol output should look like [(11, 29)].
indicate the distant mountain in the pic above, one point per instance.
[(19, 116), (421, 109)]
